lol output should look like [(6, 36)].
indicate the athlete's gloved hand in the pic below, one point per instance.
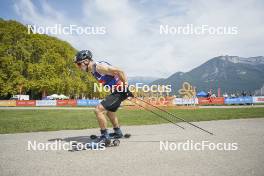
[(128, 93)]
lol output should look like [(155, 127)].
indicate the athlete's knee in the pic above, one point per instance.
[(99, 109), (110, 114)]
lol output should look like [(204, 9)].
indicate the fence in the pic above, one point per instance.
[(49, 102), (175, 101)]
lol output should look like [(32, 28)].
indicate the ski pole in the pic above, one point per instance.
[(176, 116), (157, 114)]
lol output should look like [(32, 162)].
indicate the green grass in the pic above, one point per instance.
[(14, 121)]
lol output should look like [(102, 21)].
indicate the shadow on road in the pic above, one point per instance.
[(79, 139)]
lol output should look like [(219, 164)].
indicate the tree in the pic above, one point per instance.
[(39, 64)]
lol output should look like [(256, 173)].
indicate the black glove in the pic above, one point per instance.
[(129, 94)]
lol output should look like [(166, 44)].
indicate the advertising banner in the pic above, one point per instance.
[(259, 99), (185, 101), (211, 100), (239, 100), (45, 102), (7, 103), (88, 102), (160, 101), (66, 102), (25, 102)]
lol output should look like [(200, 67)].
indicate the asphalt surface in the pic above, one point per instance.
[(141, 154)]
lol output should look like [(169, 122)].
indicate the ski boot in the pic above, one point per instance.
[(104, 138), (117, 133)]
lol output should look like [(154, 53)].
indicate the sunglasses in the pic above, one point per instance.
[(79, 63)]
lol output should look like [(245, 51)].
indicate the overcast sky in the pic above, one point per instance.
[(133, 41)]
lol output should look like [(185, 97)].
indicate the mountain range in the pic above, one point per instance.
[(141, 79), (230, 73)]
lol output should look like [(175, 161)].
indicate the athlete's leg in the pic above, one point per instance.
[(113, 118), (99, 111)]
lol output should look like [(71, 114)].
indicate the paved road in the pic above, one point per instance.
[(141, 155)]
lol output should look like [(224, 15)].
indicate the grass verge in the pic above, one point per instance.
[(15, 121)]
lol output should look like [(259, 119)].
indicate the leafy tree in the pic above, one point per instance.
[(39, 65)]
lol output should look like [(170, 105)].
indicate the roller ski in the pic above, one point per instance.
[(99, 143), (112, 136), (117, 134), (107, 140)]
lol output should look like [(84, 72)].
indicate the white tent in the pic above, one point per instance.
[(62, 97), (56, 96)]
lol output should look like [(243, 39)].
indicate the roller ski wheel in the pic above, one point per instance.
[(107, 142), (116, 142), (93, 136), (127, 135)]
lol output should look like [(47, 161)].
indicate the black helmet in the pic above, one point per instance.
[(82, 55)]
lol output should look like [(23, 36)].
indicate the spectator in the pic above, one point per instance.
[(208, 94), (233, 95), (225, 95)]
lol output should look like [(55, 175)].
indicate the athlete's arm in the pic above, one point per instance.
[(110, 70)]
